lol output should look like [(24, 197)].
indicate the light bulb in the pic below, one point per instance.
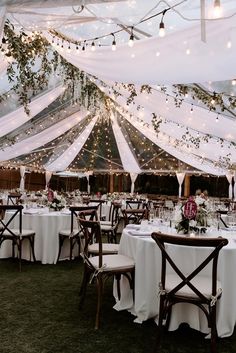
[(162, 29), (217, 8), (233, 82), (113, 47), (131, 41), (93, 46)]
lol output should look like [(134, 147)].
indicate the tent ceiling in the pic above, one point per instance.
[(189, 136)]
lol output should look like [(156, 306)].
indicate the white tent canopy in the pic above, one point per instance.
[(190, 53)]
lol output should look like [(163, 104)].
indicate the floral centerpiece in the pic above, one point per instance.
[(57, 203), (192, 216)]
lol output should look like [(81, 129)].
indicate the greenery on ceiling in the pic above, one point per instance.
[(32, 63), (212, 101)]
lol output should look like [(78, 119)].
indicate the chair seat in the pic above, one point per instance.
[(67, 232), (105, 223), (106, 227), (106, 248), (203, 283), (24, 233), (113, 262)]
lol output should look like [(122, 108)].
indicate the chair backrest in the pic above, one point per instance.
[(114, 213), (98, 203), (92, 232), (75, 212), (134, 215), (134, 204), (13, 198), (6, 224), (211, 257)]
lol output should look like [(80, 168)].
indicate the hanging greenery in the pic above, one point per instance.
[(212, 101), (22, 71)]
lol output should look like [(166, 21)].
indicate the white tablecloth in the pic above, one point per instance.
[(46, 226), (147, 258)]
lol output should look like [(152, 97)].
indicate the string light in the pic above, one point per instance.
[(113, 47), (217, 8), (229, 44), (131, 38), (93, 48), (161, 25)]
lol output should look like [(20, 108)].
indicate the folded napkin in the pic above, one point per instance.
[(137, 233), (133, 226), (31, 211), (65, 211)]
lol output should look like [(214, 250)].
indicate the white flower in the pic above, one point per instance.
[(192, 223), (200, 200), (178, 214)]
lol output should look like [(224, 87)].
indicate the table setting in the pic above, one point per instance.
[(137, 243)]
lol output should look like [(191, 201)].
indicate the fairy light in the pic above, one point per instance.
[(162, 25), (93, 48), (217, 8), (131, 39), (113, 47)]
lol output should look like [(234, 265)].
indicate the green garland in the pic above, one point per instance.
[(24, 50)]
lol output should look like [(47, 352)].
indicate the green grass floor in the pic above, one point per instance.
[(39, 314)]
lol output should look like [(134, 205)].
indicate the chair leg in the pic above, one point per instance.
[(61, 241), (31, 240), (20, 252), (160, 325), (71, 248), (82, 292), (213, 329), (99, 299), (118, 277)]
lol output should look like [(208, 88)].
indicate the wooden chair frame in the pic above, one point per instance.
[(92, 231), (16, 236), (74, 236), (169, 298), (134, 216)]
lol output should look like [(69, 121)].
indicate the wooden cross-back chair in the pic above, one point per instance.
[(73, 233), (135, 204), (99, 203), (13, 198), (99, 268), (110, 227), (134, 216), (17, 235), (93, 247), (189, 287)]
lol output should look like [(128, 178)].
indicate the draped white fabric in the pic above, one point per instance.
[(127, 65), (234, 186), (18, 117), (62, 162), (133, 177), (48, 175), (3, 66), (180, 178), (200, 119), (169, 131), (22, 179), (167, 144), (2, 20), (128, 160), (47, 135), (230, 179)]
